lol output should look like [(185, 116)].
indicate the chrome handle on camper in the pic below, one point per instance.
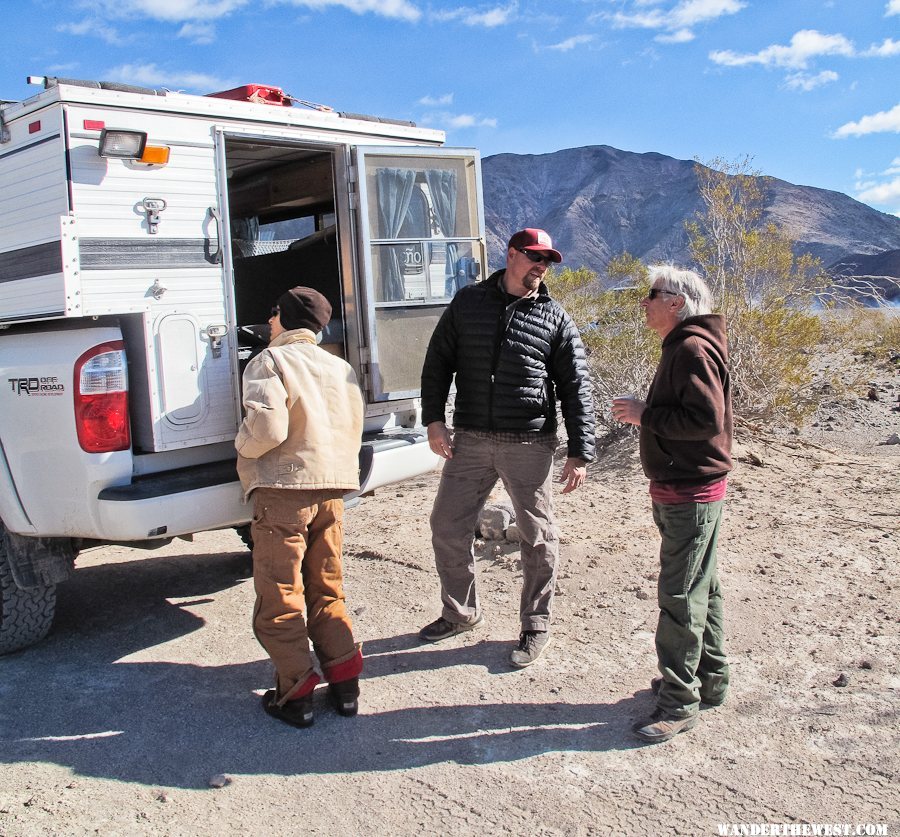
[(215, 257), (216, 333), (152, 207)]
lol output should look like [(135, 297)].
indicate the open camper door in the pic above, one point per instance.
[(421, 232)]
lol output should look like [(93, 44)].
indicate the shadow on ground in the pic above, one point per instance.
[(76, 701)]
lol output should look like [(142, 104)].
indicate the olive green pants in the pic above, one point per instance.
[(690, 635)]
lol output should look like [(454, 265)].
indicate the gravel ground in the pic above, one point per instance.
[(139, 714)]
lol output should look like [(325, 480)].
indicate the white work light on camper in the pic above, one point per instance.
[(132, 145), (126, 145)]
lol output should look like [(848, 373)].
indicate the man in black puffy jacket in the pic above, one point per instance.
[(513, 352)]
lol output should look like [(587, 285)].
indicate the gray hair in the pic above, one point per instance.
[(684, 283)]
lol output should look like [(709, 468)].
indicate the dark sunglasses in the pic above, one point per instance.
[(537, 258), (655, 292), (275, 311)]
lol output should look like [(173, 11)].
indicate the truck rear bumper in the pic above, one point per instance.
[(209, 496)]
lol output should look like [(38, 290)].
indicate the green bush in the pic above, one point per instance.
[(622, 353), (782, 311)]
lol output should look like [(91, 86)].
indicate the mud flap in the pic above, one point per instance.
[(38, 562)]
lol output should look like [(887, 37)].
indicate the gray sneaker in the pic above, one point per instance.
[(531, 646), (661, 726), (442, 628)]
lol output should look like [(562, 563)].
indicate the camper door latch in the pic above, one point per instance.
[(152, 207), (215, 333)]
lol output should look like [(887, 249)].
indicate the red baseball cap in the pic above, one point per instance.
[(533, 239)]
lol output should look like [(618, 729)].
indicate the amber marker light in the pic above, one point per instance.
[(157, 155)]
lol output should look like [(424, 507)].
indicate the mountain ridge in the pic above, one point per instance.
[(598, 201)]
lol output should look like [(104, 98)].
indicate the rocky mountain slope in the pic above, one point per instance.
[(598, 202)]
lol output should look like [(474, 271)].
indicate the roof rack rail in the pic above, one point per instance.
[(367, 118), (54, 81)]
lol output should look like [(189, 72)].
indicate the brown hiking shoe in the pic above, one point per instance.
[(661, 726), (443, 628), (345, 696), (297, 713)]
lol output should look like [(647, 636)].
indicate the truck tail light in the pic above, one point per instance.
[(101, 398)]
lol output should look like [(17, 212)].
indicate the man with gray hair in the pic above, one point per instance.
[(685, 445)]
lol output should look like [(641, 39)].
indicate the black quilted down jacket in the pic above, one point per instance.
[(511, 363)]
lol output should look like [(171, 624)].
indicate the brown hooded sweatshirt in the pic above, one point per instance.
[(686, 428)]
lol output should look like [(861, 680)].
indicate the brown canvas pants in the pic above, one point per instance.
[(297, 540)]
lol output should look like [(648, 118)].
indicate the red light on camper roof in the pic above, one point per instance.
[(94, 124), (34, 127)]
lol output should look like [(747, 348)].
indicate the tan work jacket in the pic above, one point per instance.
[(304, 418)]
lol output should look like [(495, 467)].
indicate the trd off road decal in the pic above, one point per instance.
[(36, 386)]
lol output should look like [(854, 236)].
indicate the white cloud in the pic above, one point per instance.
[(681, 36), (397, 9), (95, 28), (805, 45), (166, 10), (887, 48), (459, 120), (893, 8), (176, 11), (437, 101), (149, 75), (487, 19), (806, 82), (882, 193), (883, 122), (692, 12), (198, 33), (465, 120), (570, 43), (679, 19)]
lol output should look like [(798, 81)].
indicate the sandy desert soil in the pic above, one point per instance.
[(148, 687)]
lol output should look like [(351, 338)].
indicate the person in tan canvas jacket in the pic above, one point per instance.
[(298, 449)]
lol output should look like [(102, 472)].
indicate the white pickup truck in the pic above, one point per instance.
[(144, 236)]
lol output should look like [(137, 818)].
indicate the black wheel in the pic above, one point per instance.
[(25, 615)]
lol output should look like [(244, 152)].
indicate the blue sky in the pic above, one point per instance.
[(810, 89)]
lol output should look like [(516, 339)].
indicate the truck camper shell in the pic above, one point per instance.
[(144, 237)]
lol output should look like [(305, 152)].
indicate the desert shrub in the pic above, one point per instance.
[(868, 331), (786, 318), (773, 375), (771, 296), (622, 353)]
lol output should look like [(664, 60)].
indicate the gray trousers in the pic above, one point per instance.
[(479, 460)]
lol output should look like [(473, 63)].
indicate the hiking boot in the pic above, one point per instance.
[(661, 726), (442, 628), (705, 702), (297, 713), (531, 646), (345, 696)]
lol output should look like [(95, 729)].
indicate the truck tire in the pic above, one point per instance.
[(25, 615)]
